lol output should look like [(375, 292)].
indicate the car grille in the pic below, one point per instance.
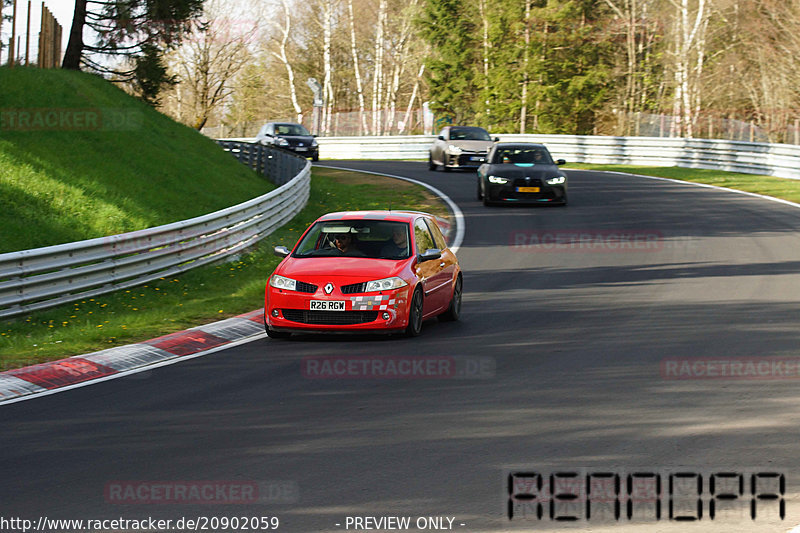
[(354, 288), (465, 161), (329, 318), (520, 182), (302, 286)]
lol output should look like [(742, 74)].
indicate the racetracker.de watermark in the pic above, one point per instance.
[(595, 241), (398, 367), (200, 492), (70, 119), (731, 368)]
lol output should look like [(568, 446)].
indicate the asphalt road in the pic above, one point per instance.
[(594, 350)]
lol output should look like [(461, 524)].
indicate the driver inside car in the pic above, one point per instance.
[(346, 244)]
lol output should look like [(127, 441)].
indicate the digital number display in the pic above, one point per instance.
[(645, 495)]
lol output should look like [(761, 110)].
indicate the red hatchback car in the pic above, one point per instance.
[(364, 271)]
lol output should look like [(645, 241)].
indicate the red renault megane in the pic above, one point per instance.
[(364, 271)]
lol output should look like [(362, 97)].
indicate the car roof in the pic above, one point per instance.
[(392, 216)]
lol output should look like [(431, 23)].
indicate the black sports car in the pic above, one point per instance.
[(521, 173)]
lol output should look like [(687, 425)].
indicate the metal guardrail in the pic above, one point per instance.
[(781, 160), (278, 165), (41, 278)]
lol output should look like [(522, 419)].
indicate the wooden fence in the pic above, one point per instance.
[(50, 34)]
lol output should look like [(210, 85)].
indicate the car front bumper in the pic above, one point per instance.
[(547, 194), (464, 159), (384, 312), (305, 151)]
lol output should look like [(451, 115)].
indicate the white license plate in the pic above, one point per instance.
[(327, 305), (476, 158), (301, 149)]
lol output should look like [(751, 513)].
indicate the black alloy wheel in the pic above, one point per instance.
[(415, 315)]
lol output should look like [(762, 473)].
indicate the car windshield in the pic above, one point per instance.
[(376, 239), (469, 134), (290, 129), (522, 156)]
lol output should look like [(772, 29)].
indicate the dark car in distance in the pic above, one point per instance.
[(521, 173), (289, 136)]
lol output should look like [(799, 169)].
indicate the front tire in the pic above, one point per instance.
[(431, 164), (415, 315), (479, 194), (454, 311), (272, 334)]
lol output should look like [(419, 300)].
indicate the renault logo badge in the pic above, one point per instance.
[(328, 288)]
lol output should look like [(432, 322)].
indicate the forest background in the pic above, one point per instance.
[(681, 68)]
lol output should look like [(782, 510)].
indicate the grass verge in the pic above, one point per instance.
[(199, 296), (783, 188), (81, 159)]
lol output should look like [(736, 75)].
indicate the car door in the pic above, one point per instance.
[(429, 273), (437, 150), (448, 262)]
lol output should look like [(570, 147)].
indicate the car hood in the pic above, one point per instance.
[(524, 171), (477, 146), (355, 268)]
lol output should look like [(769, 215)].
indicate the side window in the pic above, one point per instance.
[(438, 238), (422, 236)]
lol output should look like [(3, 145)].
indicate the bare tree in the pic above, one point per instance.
[(639, 31), (400, 56), (282, 55), (377, 76), (363, 128), (206, 63), (688, 56)]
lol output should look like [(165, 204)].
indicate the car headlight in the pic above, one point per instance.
[(453, 149), (281, 142), (385, 284), (497, 179), (279, 282), (558, 180), (314, 142)]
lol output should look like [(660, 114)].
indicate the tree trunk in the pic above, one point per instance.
[(287, 29), (523, 112), (377, 82), (411, 100), (363, 128), (72, 56), (327, 88), (486, 86)]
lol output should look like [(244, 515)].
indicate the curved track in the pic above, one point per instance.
[(580, 339)]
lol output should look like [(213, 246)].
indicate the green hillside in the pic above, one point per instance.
[(79, 158)]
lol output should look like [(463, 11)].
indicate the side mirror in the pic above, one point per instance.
[(561, 162), (281, 251), (441, 138), (429, 255), (496, 139)]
